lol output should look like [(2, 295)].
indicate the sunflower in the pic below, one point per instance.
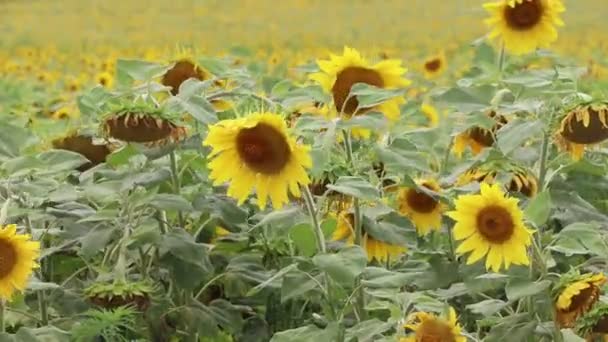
[(257, 151), (340, 73), (120, 293), (105, 79), (143, 124), (478, 138), (524, 25), (429, 327), (491, 223), (424, 210), (431, 113), (184, 67), (18, 256), (584, 125), (83, 144), (435, 65), (521, 180), (375, 249), (576, 294)]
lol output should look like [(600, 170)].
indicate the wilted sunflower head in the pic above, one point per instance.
[(593, 322), (423, 327), (575, 294), (583, 125), (518, 179), (477, 138), (184, 67), (85, 145), (340, 73), (142, 123), (524, 25), (434, 65), (113, 295)]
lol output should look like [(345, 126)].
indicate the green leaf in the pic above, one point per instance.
[(539, 208), (307, 334), (569, 336), (285, 217), (275, 277), (298, 285), (187, 260), (520, 288), (467, 99), (581, 238), (170, 202), (197, 106), (344, 266), (487, 307), (304, 238), (370, 96), (379, 277), (516, 132), (368, 330), (356, 187), (140, 70), (13, 140)]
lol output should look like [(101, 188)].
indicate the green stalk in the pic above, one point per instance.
[(41, 295), (176, 184), (312, 211), (542, 172), (501, 59), (2, 310)]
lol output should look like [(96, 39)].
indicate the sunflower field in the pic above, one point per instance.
[(304, 170)]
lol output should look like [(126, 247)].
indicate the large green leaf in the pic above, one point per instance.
[(344, 266)]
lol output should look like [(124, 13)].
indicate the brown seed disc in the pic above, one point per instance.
[(8, 258), (181, 71), (96, 154), (495, 224), (263, 148), (576, 132), (140, 128), (345, 81), (525, 15)]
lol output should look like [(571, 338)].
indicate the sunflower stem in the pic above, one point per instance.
[(501, 60), (41, 295), (176, 185), (544, 152), (348, 146), (2, 310), (312, 211)]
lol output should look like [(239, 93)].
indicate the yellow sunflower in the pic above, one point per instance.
[(524, 25), (105, 79), (18, 256), (257, 151), (521, 180), (491, 223), (429, 327), (375, 249), (478, 138), (583, 126), (577, 297), (431, 113), (340, 73), (424, 210), (435, 65)]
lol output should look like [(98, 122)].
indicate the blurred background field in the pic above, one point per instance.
[(407, 26)]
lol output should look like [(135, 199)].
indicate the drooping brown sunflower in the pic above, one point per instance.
[(478, 138), (576, 295), (593, 325), (521, 180), (582, 126), (83, 144), (184, 68), (113, 295), (143, 124)]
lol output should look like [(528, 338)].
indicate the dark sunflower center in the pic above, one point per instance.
[(345, 81), (594, 133), (181, 71), (8, 258), (434, 331), (525, 15), (103, 81), (420, 201), (495, 224), (432, 65), (486, 137), (263, 149), (584, 299)]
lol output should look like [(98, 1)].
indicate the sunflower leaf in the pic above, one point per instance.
[(539, 209), (369, 96), (356, 187), (344, 266), (520, 288)]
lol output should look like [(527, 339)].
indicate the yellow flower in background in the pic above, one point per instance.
[(423, 210), (257, 151), (491, 225), (521, 180), (184, 67), (431, 113), (429, 327), (577, 298), (478, 138), (18, 256), (435, 66), (374, 248), (340, 73), (105, 79), (524, 25)]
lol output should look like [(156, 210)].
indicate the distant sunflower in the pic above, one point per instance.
[(18, 256), (105, 79), (429, 327), (374, 248), (478, 138), (521, 180), (424, 210), (184, 68), (491, 223), (524, 25), (575, 296), (257, 151), (340, 73), (431, 113), (435, 65), (582, 126)]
